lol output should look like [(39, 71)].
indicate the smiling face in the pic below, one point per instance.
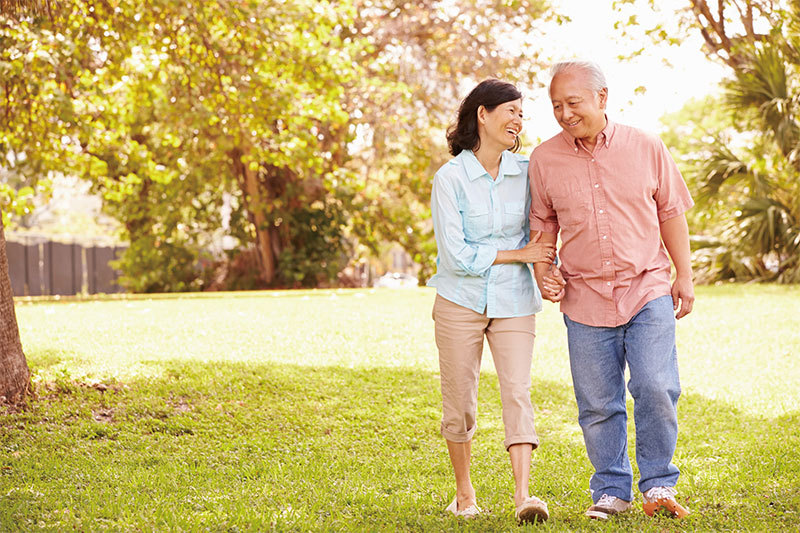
[(579, 110), (501, 126)]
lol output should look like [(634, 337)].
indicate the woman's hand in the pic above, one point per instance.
[(553, 284), (537, 252)]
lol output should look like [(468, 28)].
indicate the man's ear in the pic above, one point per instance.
[(603, 97)]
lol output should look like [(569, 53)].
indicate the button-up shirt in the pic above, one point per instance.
[(474, 216), (608, 204)]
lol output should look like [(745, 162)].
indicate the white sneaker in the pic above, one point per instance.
[(531, 510), (470, 512), (607, 506)]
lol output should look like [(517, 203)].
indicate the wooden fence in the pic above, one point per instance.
[(40, 267)]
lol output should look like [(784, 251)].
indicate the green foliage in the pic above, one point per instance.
[(320, 248), (740, 153), (274, 106), (150, 264)]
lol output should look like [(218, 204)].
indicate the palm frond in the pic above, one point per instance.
[(721, 166), (763, 86), (767, 225)]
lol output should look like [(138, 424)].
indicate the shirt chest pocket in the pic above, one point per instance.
[(476, 222), (571, 205), (513, 216)]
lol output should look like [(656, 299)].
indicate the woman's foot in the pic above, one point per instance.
[(532, 509), (470, 510)]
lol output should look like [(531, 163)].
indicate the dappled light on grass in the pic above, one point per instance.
[(319, 411)]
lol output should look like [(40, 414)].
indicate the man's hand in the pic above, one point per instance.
[(553, 284), (683, 294)]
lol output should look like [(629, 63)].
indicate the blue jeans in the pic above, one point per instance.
[(597, 358)]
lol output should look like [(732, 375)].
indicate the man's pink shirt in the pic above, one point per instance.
[(608, 204)]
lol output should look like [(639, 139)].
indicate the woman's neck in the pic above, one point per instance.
[(489, 158)]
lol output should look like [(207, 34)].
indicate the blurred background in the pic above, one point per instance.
[(247, 144)]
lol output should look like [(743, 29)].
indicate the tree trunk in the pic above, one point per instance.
[(15, 377), (248, 180)]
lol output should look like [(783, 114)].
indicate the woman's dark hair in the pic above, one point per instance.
[(463, 135)]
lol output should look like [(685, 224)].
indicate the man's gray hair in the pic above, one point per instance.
[(597, 80)]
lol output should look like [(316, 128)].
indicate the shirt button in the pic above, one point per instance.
[(608, 262), (608, 283), (601, 211), (592, 160), (596, 185), (604, 236)]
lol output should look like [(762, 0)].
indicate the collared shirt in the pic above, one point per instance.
[(608, 204), (474, 216)]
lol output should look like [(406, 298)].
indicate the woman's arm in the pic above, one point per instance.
[(536, 251), (455, 254), (466, 258)]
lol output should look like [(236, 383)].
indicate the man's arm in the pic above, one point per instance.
[(675, 234), (550, 285)]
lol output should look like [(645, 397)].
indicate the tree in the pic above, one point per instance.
[(169, 108), (317, 124), (14, 373), (746, 169), (422, 57)]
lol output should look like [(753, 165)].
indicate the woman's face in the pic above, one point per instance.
[(502, 125)]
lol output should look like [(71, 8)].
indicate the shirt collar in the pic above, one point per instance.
[(606, 135), (509, 166)]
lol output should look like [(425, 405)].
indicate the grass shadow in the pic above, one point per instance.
[(281, 447)]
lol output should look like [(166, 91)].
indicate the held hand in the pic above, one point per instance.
[(683, 292), (553, 285), (537, 252)]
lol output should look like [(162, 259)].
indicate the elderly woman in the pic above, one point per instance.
[(484, 285)]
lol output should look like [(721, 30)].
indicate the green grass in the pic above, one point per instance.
[(319, 410)]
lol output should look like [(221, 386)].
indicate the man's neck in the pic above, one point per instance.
[(590, 141)]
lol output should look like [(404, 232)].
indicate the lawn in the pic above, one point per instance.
[(319, 410)]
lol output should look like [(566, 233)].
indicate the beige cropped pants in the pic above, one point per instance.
[(459, 338)]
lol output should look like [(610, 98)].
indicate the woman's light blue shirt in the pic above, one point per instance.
[(474, 216)]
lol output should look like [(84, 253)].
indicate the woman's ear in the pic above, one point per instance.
[(481, 114)]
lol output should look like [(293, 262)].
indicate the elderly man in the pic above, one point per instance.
[(615, 194)]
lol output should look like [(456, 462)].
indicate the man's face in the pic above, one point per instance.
[(578, 109)]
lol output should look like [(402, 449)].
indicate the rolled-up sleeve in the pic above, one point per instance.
[(459, 256), (542, 216), (672, 196)]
